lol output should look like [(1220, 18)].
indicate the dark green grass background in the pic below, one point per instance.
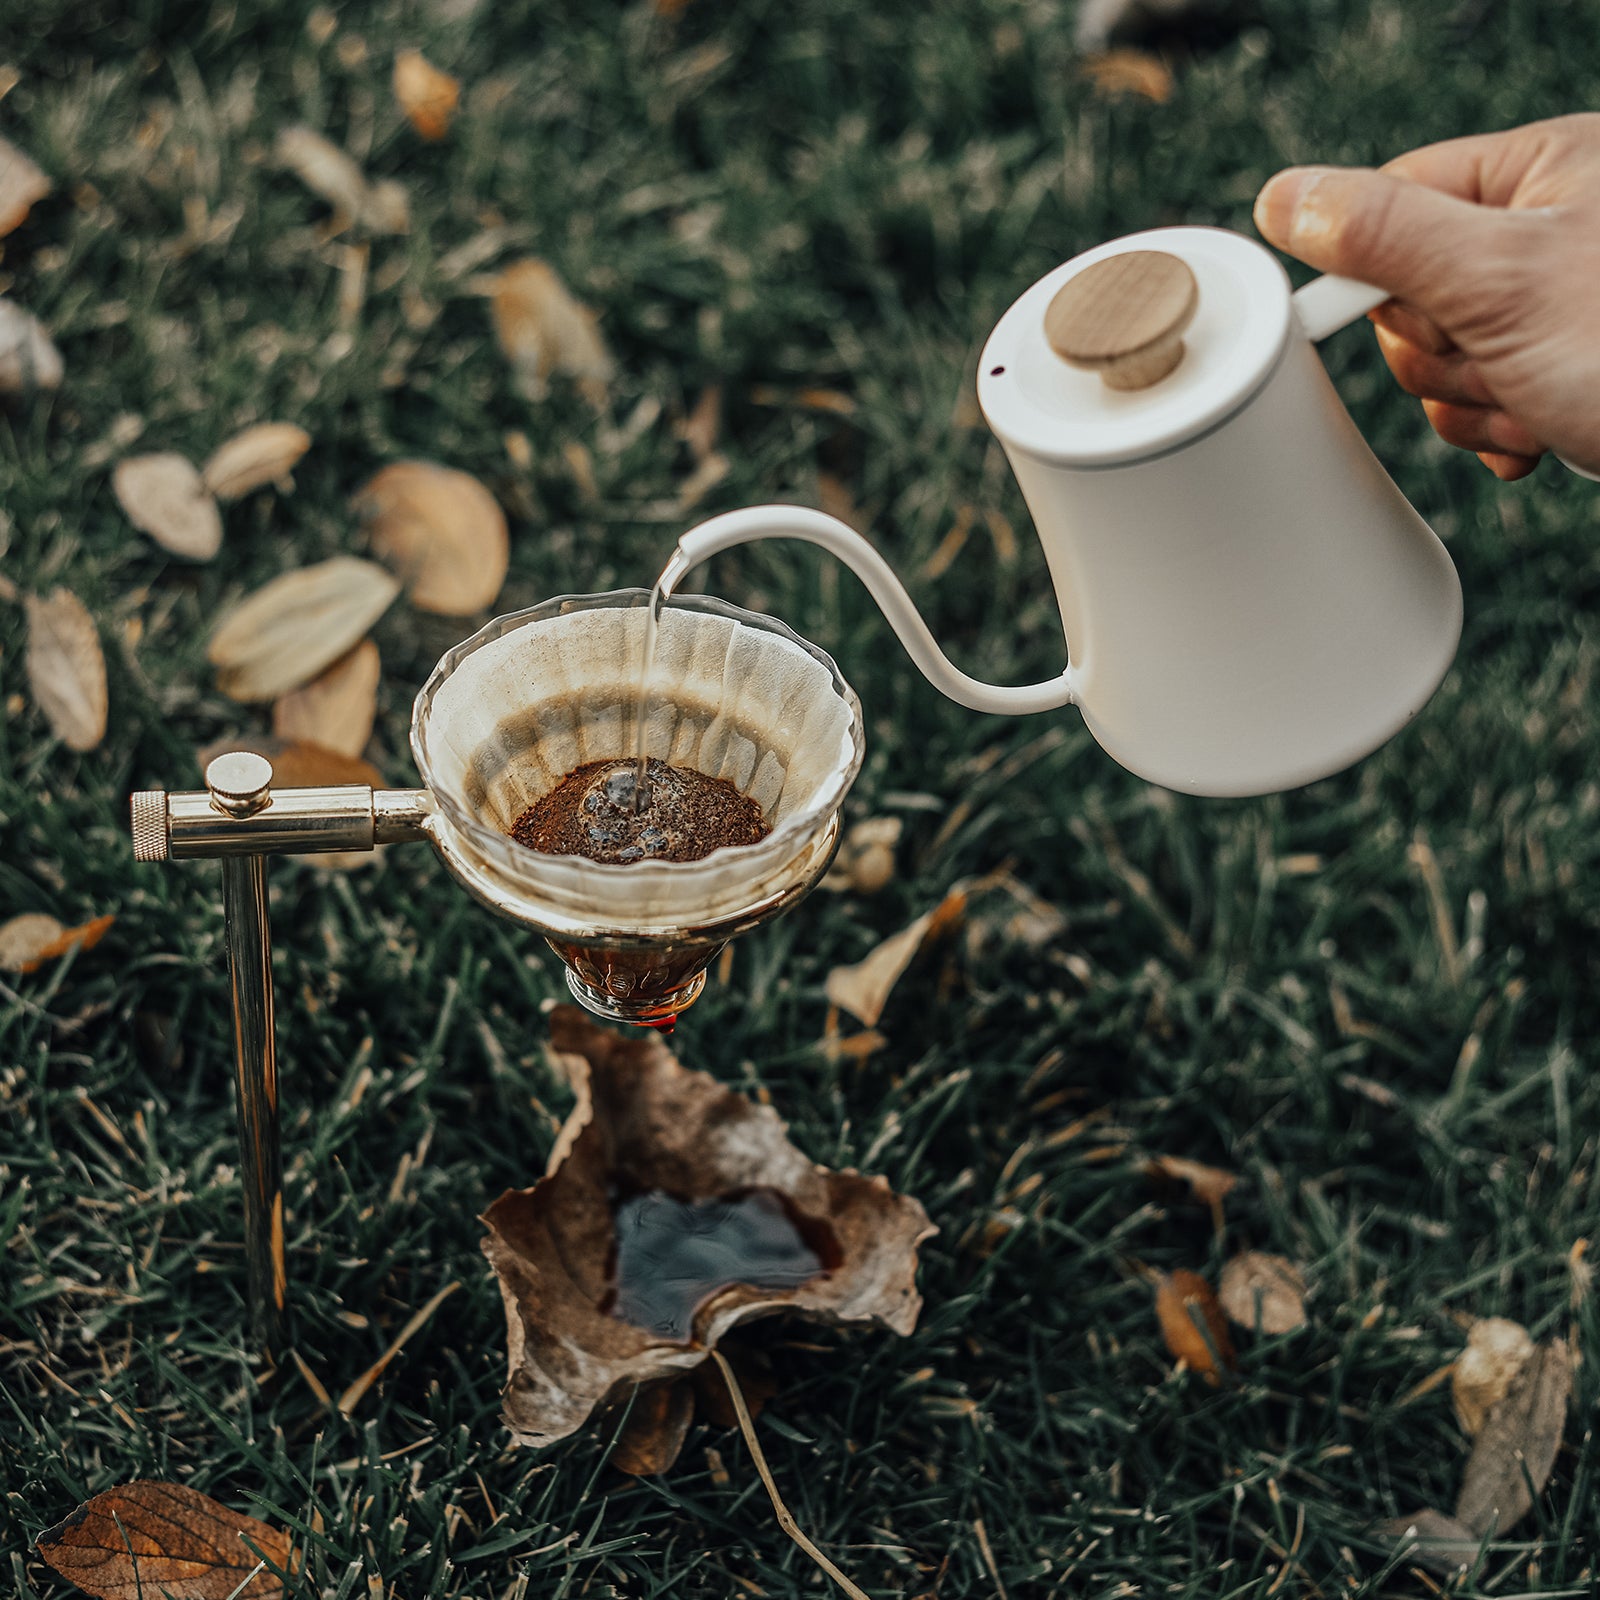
[(784, 195)]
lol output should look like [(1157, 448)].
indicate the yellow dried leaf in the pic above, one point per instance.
[(441, 530), (1129, 72), (335, 709), (427, 96), (285, 633), (28, 941), (162, 495), (265, 453), (1211, 1185), (1497, 1350), (66, 669), (1264, 1291), (22, 183), (28, 360), (1192, 1324), (334, 175), (864, 988), (542, 330)]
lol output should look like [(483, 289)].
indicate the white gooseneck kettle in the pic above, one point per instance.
[(1249, 601)]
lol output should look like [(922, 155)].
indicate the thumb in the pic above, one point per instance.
[(1425, 247)]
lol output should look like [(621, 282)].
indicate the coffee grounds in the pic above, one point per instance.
[(686, 815)]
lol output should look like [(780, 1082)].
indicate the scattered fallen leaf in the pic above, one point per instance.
[(427, 96), (1129, 72), (1210, 1185), (1434, 1540), (265, 453), (84, 937), (334, 175), (28, 360), (1516, 1447), (1192, 1323), (336, 709), (441, 531), (285, 633), (24, 939), (646, 1121), (542, 330), (66, 669), (864, 988), (1496, 1352), (297, 763), (162, 1538), (1264, 1291), (162, 495), (22, 183)]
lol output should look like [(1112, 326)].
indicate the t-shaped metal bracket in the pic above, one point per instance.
[(240, 818)]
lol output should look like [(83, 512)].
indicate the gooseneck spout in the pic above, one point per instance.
[(838, 539)]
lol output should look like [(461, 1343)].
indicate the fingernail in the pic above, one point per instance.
[(1286, 211)]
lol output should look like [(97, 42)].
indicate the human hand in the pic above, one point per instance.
[(1490, 246)]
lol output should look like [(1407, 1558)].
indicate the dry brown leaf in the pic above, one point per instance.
[(1264, 1291), (864, 988), (66, 669), (28, 360), (1129, 72), (542, 330), (162, 495), (24, 939), (146, 1539), (865, 862), (265, 453), (297, 763), (1434, 1540), (645, 1122), (653, 1435), (334, 175), (285, 633), (84, 937), (1210, 1185), (427, 96), (441, 531), (1511, 1461), (336, 709), (1497, 1349), (1192, 1323), (22, 184)]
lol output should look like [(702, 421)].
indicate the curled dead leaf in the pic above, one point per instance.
[(865, 862), (441, 531), (285, 633), (1193, 1325), (66, 668), (863, 989), (1129, 72), (335, 176), (336, 709), (427, 96), (162, 495), (151, 1538), (265, 453), (542, 329), (646, 1125), (24, 939), (84, 937), (1209, 1185), (1516, 1447), (1264, 1291), (1496, 1352), (22, 184), (28, 360)]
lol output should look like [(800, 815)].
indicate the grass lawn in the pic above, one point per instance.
[(1376, 999)]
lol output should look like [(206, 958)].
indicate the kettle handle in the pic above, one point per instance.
[(841, 540), (1329, 303)]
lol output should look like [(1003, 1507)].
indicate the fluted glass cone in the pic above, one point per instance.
[(511, 711)]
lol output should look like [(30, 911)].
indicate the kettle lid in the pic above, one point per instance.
[(1086, 369)]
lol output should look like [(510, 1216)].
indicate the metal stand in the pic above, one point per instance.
[(240, 819)]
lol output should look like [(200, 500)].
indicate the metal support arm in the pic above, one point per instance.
[(239, 818)]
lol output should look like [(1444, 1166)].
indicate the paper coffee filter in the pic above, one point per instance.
[(510, 712)]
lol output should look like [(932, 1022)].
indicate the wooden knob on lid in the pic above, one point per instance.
[(1124, 317)]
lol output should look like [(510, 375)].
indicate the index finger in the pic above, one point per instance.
[(1520, 167)]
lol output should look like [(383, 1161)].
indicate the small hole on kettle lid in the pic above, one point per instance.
[(994, 372)]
